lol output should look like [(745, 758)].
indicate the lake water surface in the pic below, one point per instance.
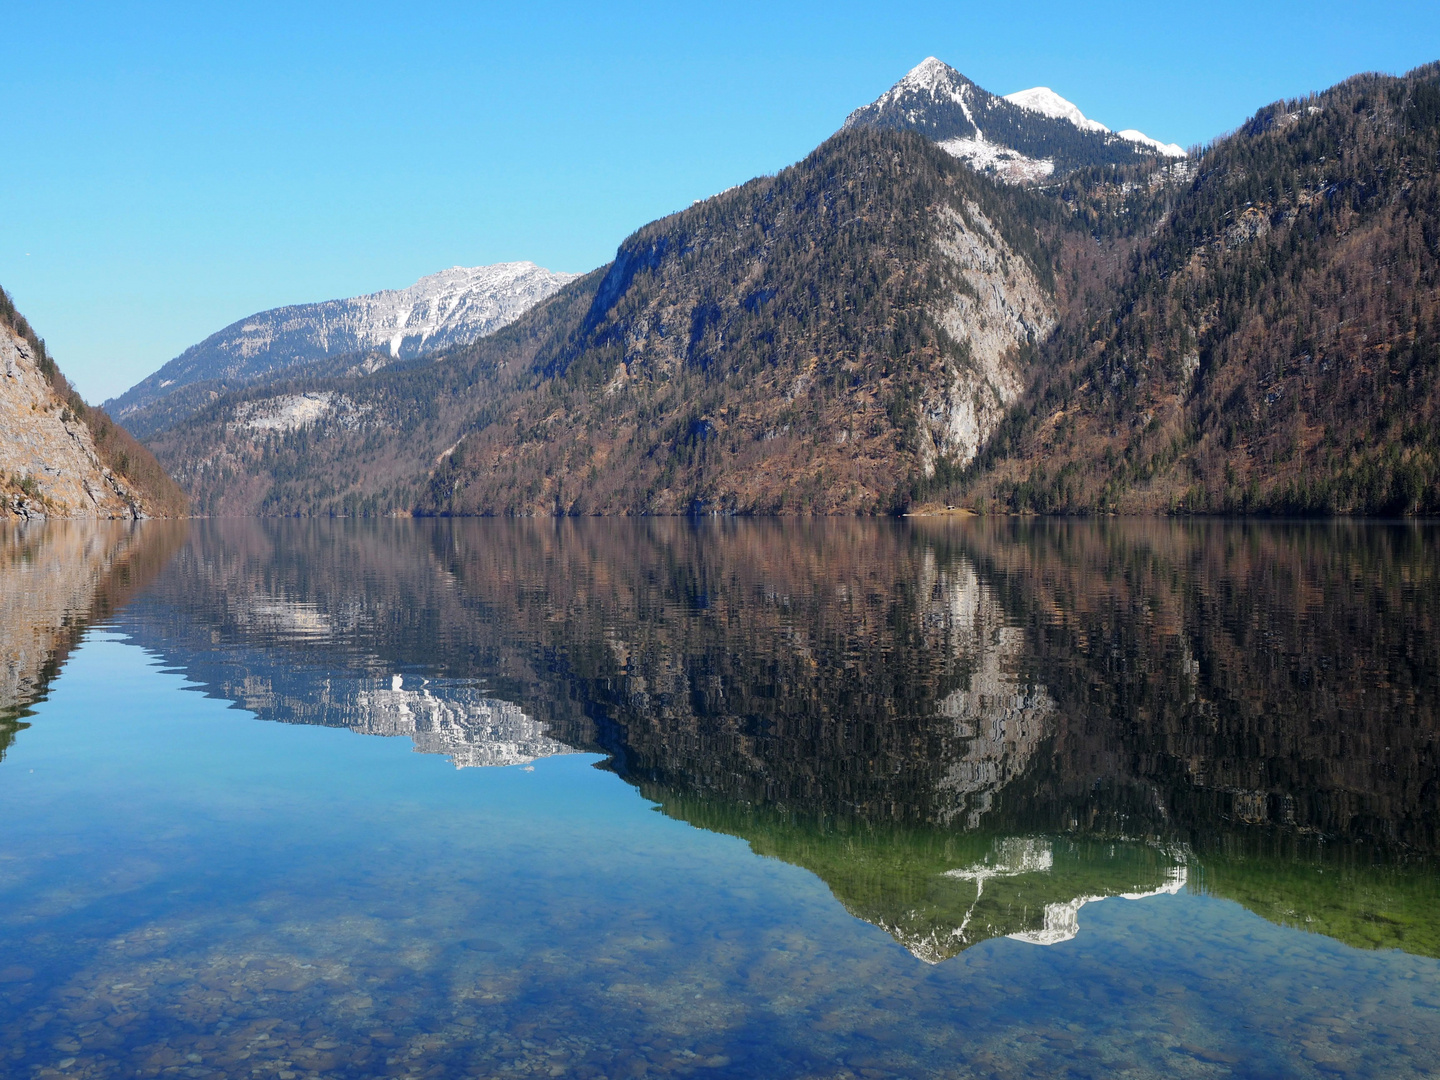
[(720, 799)]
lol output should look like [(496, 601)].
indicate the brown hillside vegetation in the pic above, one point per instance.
[(878, 328), (354, 444), (809, 342), (793, 346), (1277, 345)]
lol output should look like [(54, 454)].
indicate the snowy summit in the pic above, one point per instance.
[(1047, 102), (1021, 138)]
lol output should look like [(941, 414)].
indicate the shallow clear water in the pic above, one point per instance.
[(740, 799)]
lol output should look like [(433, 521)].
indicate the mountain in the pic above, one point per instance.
[(881, 327), (1043, 100), (805, 342), (1023, 137), (1046, 102), (453, 307), (1273, 347), (58, 456)]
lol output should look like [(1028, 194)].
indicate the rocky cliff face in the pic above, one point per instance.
[(1274, 345), (59, 457), (998, 306), (49, 466)]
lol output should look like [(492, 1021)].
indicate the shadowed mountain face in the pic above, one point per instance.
[(966, 730)]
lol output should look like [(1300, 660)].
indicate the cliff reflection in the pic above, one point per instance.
[(966, 729), (1265, 694), (1276, 676), (56, 580)]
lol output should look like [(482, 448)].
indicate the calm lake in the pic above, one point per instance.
[(770, 799)]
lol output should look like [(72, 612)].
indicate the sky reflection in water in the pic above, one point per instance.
[(955, 747)]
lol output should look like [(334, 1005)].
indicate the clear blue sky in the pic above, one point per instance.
[(173, 167)]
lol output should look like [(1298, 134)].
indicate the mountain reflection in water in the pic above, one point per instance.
[(965, 729), (56, 580)]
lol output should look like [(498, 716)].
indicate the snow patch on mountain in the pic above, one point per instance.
[(933, 77), (932, 98), (987, 157), (1020, 138), (452, 307)]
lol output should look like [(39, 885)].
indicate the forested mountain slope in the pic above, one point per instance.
[(1275, 346), (814, 341), (881, 327), (58, 456), (334, 439), (804, 343)]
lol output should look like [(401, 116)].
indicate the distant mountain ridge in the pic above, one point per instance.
[(454, 307), (1022, 137)]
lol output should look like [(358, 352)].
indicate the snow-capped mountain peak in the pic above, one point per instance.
[(933, 75), (931, 81), (1022, 137), (447, 308), (1047, 102)]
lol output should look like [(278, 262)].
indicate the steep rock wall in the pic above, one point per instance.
[(996, 306), (49, 466)]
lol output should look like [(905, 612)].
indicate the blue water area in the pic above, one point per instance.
[(190, 888)]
